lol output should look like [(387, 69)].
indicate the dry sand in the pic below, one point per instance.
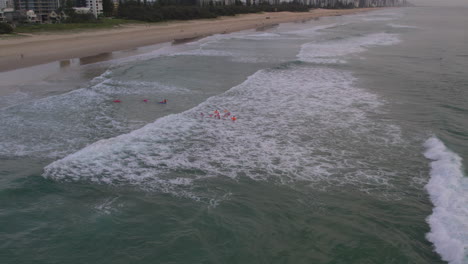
[(43, 48)]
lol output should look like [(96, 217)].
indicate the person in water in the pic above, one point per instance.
[(117, 101), (233, 118), (163, 101)]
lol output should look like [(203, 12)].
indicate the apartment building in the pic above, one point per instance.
[(95, 6), (42, 8), (6, 4)]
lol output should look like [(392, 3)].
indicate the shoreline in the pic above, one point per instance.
[(36, 49)]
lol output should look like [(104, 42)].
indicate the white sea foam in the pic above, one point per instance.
[(204, 52), (211, 39), (289, 124), (57, 125), (448, 189), (381, 16), (400, 26), (122, 87), (315, 30), (330, 51), (246, 34), (107, 206), (232, 56), (260, 36), (378, 18), (49, 124), (165, 49), (255, 59), (201, 47), (14, 98)]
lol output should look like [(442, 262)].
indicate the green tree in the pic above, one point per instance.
[(5, 28), (107, 7), (68, 9)]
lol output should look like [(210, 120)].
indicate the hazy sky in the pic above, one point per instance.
[(440, 2)]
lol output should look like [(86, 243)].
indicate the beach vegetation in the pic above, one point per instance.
[(186, 10), (100, 23), (108, 7), (81, 18), (5, 28)]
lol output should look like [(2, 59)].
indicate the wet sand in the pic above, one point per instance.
[(35, 49)]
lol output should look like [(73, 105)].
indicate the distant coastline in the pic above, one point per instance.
[(38, 49)]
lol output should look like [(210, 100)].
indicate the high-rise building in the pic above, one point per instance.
[(3, 4), (95, 6)]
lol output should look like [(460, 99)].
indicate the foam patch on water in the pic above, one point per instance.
[(122, 87), (260, 36), (378, 18), (108, 205), (330, 51), (212, 39), (58, 125), (232, 56), (400, 26), (53, 126), (294, 125), (381, 16), (198, 47), (255, 59), (204, 52), (315, 30), (14, 98), (166, 49), (448, 189), (246, 34)]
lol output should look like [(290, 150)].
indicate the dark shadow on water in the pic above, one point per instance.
[(96, 58), (267, 27), (65, 63), (186, 40)]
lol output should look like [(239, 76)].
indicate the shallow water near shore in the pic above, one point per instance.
[(349, 147)]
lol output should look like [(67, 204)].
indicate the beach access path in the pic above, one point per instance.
[(35, 49)]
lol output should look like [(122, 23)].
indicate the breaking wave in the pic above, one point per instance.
[(333, 51), (289, 124), (448, 189)]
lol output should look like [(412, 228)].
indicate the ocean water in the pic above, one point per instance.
[(350, 146)]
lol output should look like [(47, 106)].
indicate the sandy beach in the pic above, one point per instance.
[(43, 48)]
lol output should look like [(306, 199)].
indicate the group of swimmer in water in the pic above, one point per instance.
[(144, 100), (217, 114)]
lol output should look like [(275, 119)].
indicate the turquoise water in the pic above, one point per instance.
[(349, 147)]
